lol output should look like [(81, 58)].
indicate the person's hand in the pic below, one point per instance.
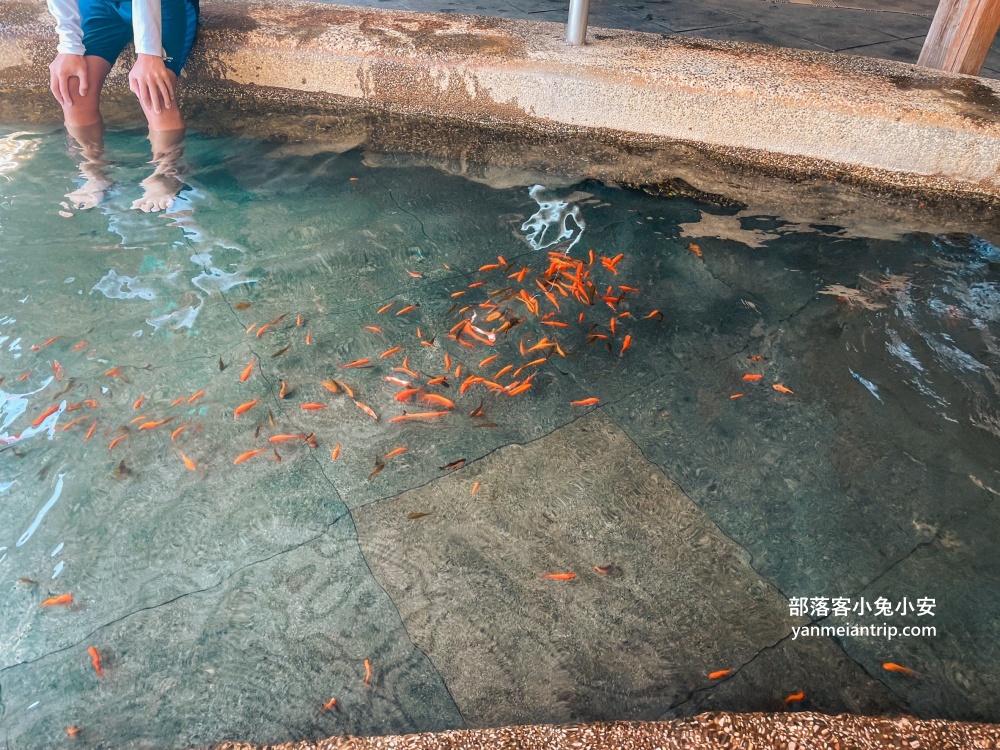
[(64, 67), (152, 83)]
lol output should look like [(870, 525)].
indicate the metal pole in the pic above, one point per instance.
[(576, 26)]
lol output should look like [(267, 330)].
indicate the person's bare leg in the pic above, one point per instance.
[(85, 125), (166, 136)]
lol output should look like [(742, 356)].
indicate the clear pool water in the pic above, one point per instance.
[(233, 600)]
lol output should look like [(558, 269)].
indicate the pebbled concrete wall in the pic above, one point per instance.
[(878, 121)]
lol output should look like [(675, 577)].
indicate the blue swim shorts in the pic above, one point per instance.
[(107, 29)]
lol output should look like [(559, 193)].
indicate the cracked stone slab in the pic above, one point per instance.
[(255, 658), (515, 648)]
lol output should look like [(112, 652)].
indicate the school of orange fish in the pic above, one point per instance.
[(564, 295)]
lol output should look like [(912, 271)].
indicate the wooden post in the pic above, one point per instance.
[(960, 35)]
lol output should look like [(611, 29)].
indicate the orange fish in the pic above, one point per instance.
[(247, 371), (249, 454), (187, 461), (356, 363), (139, 402), (376, 329), (488, 360), (335, 453), (154, 425), (95, 659), (252, 326), (503, 372), (394, 452), (752, 377), (283, 393), (80, 345), (331, 385), (260, 331), (114, 372), (179, 430), (738, 395), (433, 398), (286, 438), (718, 675), (419, 415), (63, 599), (405, 395), (781, 389), (475, 488), (73, 731), (117, 440), (90, 403), (694, 249), (585, 402), (244, 408), (309, 338), (57, 370), (90, 432), (396, 381), (24, 377), (332, 703), (415, 275), (177, 401), (312, 407), (390, 352), (795, 697), (384, 308), (653, 315), (408, 308), (559, 576), (45, 415), (604, 569), (368, 671), (755, 357), (891, 667), (298, 321), (438, 381), (366, 409), (70, 424), (626, 344)]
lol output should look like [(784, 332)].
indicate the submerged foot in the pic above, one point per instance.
[(90, 194), (160, 191)]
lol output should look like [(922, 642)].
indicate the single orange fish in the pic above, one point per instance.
[(139, 402), (694, 249), (415, 275), (177, 401), (298, 321), (356, 363), (332, 703), (90, 432), (408, 308), (117, 440), (24, 377), (57, 370), (503, 372), (335, 453), (366, 409), (368, 671), (795, 697), (309, 338), (73, 731), (718, 675), (244, 408), (252, 326), (187, 462), (604, 569), (179, 430), (201, 393), (406, 394), (90, 403), (390, 352), (475, 488), (488, 360), (260, 331), (585, 402), (95, 659), (376, 329), (559, 576), (652, 315), (738, 395), (283, 393), (114, 372), (75, 421), (438, 380), (45, 415), (312, 407), (755, 357), (247, 371), (63, 600), (435, 399), (420, 415), (140, 418), (80, 345), (394, 452), (384, 308), (397, 381), (154, 425), (781, 389), (891, 667), (752, 377), (249, 454), (331, 385), (286, 438)]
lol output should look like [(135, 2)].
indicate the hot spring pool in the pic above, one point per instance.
[(588, 380)]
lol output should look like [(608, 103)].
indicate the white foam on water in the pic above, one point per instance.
[(114, 286)]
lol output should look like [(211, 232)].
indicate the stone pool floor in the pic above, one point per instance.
[(895, 32)]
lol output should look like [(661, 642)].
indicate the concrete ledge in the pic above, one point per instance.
[(879, 121), (790, 731)]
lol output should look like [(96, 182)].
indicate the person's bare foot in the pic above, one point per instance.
[(160, 191), (90, 194)]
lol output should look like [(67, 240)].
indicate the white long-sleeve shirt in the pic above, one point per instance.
[(147, 29)]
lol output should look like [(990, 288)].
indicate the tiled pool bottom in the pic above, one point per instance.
[(234, 601)]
